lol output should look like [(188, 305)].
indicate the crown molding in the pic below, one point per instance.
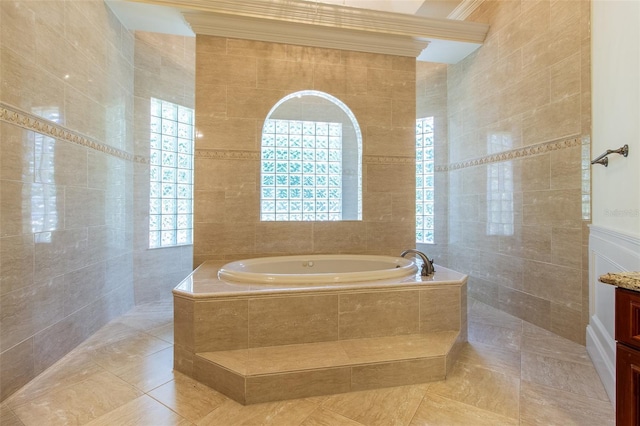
[(301, 34), (464, 9), (322, 25)]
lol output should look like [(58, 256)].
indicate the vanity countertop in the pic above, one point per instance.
[(628, 280)]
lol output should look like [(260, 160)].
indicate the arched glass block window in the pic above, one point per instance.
[(311, 160)]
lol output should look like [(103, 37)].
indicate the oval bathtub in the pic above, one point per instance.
[(310, 269)]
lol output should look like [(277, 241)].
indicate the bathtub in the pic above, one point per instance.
[(317, 269), (280, 335)]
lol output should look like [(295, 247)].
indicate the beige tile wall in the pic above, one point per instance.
[(65, 209), (529, 82), (164, 69), (229, 324), (237, 83), (431, 101)]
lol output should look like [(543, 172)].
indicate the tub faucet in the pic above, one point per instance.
[(427, 265)]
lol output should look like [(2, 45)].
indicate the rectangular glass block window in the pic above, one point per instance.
[(586, 178), (301, 171), (500, 201), (425, 191), (170, 175)]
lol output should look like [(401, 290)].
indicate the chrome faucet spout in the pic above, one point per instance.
[(427, 265)]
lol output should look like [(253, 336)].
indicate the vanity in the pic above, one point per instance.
[(627, 334)]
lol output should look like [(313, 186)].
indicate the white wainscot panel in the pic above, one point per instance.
[(609, 251)]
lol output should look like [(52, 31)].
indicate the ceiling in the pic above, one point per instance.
[(162, 16), (428, 8)]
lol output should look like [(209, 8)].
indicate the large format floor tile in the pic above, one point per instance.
[(191, 399), (436, 410), (292, 412), (491, 358), (80, 403), (481, 388), (493, 335), (543, 406), (72, 369), (511, 372), (149, 372), (541, 341), (118, 355), (575, 377), (7, 418), (141, 411), (390, 406), (323, 417)]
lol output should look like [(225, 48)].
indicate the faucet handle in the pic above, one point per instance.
[(427, 267)]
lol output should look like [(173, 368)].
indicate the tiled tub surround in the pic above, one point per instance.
[(75, 64), (66, 173), (518, 123), (163, 69), (533, 263), (258, 343), (64, 245), (237, 84), (431, 101)]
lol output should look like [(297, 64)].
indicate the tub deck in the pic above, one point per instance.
[(203, 283), (258, 343)]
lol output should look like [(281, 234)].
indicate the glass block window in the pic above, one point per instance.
[(500, 210), (171, 175), (301, 171), (586, 178), (425, 196), (44, 213)]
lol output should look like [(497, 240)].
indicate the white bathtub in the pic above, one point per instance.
[(309, 269)]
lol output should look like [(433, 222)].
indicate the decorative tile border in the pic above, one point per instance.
[(380, 159), (222, 154), (527, 151), (16, 116)]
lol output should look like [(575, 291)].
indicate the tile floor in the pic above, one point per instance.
[(510, 373)]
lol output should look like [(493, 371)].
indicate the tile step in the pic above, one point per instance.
[(341, 353), (296, 371)]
